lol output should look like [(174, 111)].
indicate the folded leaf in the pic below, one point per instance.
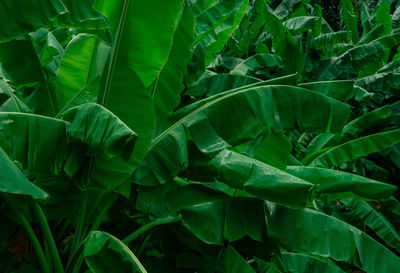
[(260, 179)]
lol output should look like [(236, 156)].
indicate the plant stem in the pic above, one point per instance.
[(95, 226), (35, 243), (32, 236), (58, 267), (148, 226), (79, 225)]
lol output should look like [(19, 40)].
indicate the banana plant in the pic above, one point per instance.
[(199, 136)]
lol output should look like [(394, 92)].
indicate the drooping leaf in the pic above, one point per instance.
[(375, 220), (342, 183), (339, 90), (353, 149), (110, 142), (251, 112), (13, 181), (37, 142), (260, 179), (301, 24), (105, 253), (304, 263), (262, 63), (355, 246)]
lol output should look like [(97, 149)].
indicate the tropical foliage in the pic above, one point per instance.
[(199, 136)]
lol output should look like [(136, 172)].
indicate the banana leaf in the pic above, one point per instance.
[(301, 24), (305, 231), (214, 26), (169, 83), (342, 183), (19, 18), (375, 220), (350, 19), (110, 145), (212, 222), (334, 156), (105, 253), (83, 60), (13, 181), (260, 179), (140, 50), (263, 62), (219, 83), (339, 90), (304, 263), (9, 100), (81, 15), (249, 113), (27, 71)]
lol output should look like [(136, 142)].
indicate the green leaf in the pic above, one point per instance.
[(260, 179), (342, 183), (142, 43), (350, 19), (304, 263), (234, 262), (169, 84), (214, 26), (233, 219), (264, 62), (81, 14), (13, 181), (375, 220), (12, 103), (28, 71), (301, 24), (339, 90), (18, 18), (311, 237), (105, 253), (351, 150), (219, 83), (37, 142), (110, 143), (273, 149), (284, 44), (83, 60), (246, 114)]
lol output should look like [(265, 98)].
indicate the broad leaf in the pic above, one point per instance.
[(310, 236), (342, 183), (13, 181), (105, 253)]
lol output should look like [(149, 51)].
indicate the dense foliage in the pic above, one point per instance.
[(199, 136)]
